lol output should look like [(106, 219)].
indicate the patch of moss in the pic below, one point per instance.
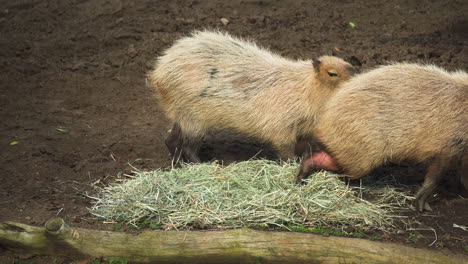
[(412, 237), (329, 231), (116, 227), (108, 261), (316, 230), (117, 261)]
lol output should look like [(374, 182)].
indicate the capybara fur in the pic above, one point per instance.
[(397, 112), (213, 81)]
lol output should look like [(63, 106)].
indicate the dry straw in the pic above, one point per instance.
[(250, 193)]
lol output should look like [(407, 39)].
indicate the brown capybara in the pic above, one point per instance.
[(393, 113), (212, 81)]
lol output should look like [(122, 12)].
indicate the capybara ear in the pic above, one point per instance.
[(353, 60), (316, 62)]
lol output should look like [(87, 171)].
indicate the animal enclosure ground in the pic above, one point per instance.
[(73, 93)]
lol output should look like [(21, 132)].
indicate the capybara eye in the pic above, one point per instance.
[(332, 74)]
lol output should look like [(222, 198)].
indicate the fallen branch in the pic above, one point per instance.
[(239, 245)]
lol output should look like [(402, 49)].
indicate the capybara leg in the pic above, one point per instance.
[(305, 168), (463, 171), (302, 145), (433, 175), (190, 147), (174, 142)]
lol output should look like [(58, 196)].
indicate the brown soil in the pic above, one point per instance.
[(80, 66)]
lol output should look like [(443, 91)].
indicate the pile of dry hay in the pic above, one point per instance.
[(250, 193)]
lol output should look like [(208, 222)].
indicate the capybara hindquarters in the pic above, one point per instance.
[(394, 113)]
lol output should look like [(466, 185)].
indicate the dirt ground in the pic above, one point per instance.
[(73, 93)]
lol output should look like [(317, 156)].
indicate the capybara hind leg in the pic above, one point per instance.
[(284, 148), (285, 154), (174, 142), (433, 175)]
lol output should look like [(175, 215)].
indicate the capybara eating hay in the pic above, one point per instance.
[(394, 113), (211, 81)]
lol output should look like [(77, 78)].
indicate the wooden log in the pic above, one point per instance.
[(231, 246)]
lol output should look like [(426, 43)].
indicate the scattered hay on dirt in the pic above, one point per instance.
[(250, 193)]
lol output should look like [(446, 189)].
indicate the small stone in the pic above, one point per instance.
[(132, 51), (224, 21), (77, 66)]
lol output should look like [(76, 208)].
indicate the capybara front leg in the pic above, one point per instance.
[(174, 142), (302, 145), (182, 145), (190, 148), (305, 168)]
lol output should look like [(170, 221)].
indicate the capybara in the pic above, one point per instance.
[(394, 113), (211, 80)]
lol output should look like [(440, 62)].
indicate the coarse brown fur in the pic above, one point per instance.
[(394, 113), (212, 81)]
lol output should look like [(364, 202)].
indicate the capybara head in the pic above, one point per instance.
[(331, 71)]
